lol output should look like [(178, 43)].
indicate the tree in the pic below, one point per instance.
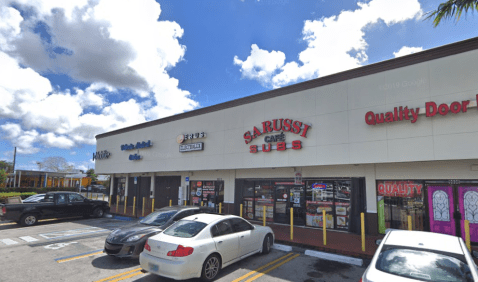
[(452, 8), (91, 173), (56, 164), (3, 177), (7, 166)]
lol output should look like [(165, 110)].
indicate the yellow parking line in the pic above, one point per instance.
[(272, 268), (79, 257), (10, 223), (126, 277), (117, 275), (261, 268)]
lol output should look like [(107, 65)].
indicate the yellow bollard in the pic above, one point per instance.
[(241, 211), (410, 222), (152, 206), (96, 196), (184, 202), (264, 215), (125, 200), (324, 226), (170, 202), (117, 203), (291, 224), (109, 202), (103, 197), (467, 235), (202, 204), (220, 207), (144, 203), (134, 205), (362, 221)]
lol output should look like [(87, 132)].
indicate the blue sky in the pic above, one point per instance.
[(73, 69)]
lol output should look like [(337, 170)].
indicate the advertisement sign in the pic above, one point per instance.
[(191, 147), (381, 214), (320, 186), (298, 178), (404, 189)]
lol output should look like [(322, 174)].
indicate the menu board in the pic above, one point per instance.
[(269, 204), (342, 212), (247, 206), (314, 214)]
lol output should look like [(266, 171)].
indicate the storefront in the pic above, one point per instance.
[(390, 140)]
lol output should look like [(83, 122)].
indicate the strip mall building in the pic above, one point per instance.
[(390, 139)]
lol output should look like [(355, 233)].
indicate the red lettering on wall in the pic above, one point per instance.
[(431, 109), (443, 109), (296, 145), (275, 126), (281, 146), (253, 149), (304, 132), (266, 126), (297, 124), (256, 133), (247, 137), (266, 147), (370, 118), (455, 107), (287, 124)]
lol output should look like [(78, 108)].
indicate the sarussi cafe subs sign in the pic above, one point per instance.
[(276, 126), (431, 109)]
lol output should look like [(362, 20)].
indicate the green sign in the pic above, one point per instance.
[(381, 214)]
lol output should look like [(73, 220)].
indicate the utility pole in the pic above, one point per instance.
[(14, 158)]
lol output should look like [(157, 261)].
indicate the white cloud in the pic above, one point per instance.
[(261, 65), (334, 44), (405, 50), (110, 44)]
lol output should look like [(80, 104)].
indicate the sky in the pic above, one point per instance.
[(70, 70)]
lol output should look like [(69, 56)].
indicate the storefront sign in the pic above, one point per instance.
[(191, 147), (139, 145), (135, 157), (183, 137), (399, 188), (101, 155), (431, 109), (320, 186), (277, 125)]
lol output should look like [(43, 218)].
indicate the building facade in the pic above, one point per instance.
[(392, 139)]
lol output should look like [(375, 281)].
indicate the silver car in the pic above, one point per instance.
[(421, 256)]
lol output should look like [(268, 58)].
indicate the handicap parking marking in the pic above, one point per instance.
[(73, 232), (8, 242), (28, 239)]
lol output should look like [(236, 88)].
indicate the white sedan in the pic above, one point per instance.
[(200, 245), (421, 256)]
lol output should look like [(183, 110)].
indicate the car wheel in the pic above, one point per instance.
[(98, 212), (266, 245), (211, 268), (28, 220)]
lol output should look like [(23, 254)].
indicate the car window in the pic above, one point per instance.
[(48, 198), (75, 198), (221, 228), (239, 225), (423, 265), (183, 214), (61, 199), (158, 218), (185, 228)]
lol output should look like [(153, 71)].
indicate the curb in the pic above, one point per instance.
[(280, 247), (334, 257)]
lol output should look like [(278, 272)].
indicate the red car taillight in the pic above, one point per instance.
[(181, 252), (147, 246), (360, 280)]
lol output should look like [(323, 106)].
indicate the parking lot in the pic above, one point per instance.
[(72, 250)]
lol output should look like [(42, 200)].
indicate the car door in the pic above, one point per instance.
[(61, 206), (77, 204), (247, 237), (227, 242)]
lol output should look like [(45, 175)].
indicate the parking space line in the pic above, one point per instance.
[(128, 276), (79, 256), (9, 223), (9, 242), (261, 268), (272, 268), (121, 274), (28, 239)]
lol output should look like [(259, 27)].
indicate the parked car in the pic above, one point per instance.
[(54, 205), (200, 245), (421, 256), (129, 241), (34, 198)]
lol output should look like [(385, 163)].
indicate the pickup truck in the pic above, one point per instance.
[(54, 205)]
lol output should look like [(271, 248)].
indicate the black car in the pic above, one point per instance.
[(129, 241)]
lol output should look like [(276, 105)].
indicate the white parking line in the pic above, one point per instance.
[(74, 232), (28, 239), (8, 242)]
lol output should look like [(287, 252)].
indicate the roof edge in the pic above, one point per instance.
[(408, 60)]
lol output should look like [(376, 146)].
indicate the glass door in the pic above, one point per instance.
[(468, 206), (297, 201), (441, 206), (281, 206)]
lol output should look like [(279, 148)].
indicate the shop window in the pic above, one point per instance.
[(396, 200), (331, 196), (248, 199), (264, 197), (207, 193)]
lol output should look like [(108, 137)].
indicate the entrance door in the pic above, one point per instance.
[(441, 206), (468, 205), (281, 206), (297, 201), (166, 188)]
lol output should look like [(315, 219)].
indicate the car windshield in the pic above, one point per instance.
[(158, 218), (185, 228), (423, 265)]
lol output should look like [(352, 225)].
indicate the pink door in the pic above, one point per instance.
[(468, 202), (440, 204)]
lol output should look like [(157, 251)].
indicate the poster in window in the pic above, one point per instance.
[(314, 214)]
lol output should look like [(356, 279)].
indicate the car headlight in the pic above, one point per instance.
[(135, 237)]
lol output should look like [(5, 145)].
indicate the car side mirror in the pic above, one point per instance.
[(253, 227), (474, 254), (378, 242)]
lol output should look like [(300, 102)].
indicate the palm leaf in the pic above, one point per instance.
[(450, 9)]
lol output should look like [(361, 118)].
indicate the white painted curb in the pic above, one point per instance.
[(282, 247), (334, 257)]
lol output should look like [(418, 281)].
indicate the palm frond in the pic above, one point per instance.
[(450, 9)]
